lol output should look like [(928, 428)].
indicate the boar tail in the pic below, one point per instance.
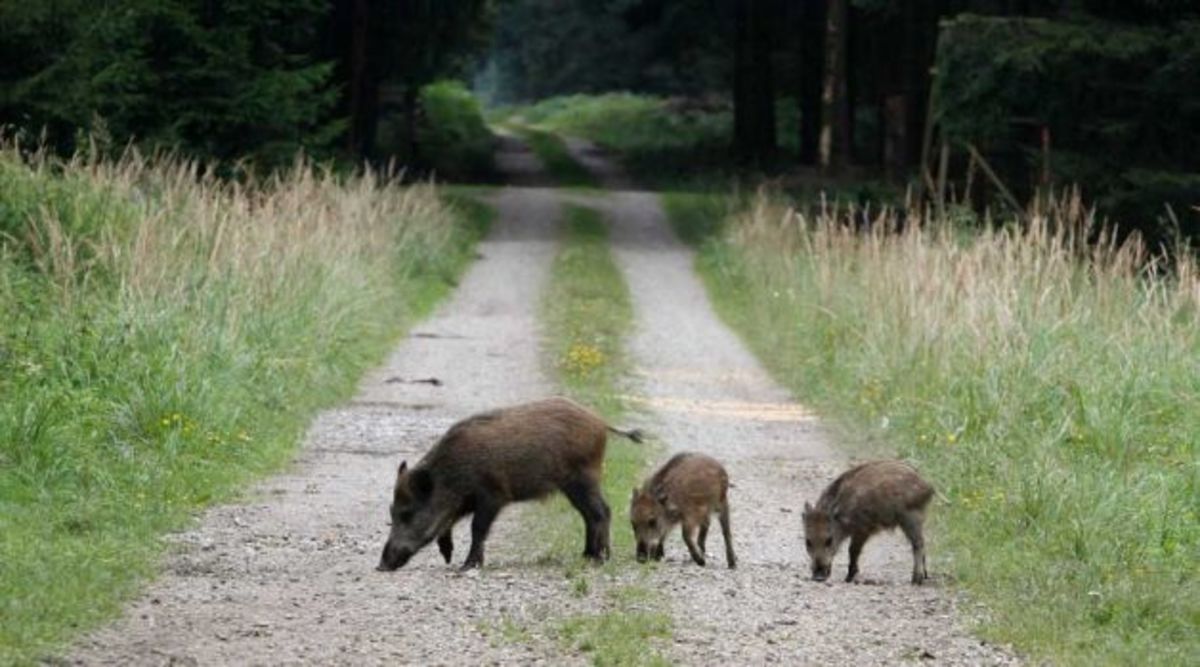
[(635, 434)]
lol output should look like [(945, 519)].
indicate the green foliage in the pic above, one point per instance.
[(455, 141), (1047, 389), (697, 217), (151, 362), (224, 81), (1119, 101)]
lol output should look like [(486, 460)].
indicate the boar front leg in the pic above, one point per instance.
[(445, 543), (856, 547), (481, 523)]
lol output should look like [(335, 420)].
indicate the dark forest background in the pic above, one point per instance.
[(1041, 93)]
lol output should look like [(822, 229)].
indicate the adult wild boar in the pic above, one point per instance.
[(489, 460), (687, 489), (862, 501)]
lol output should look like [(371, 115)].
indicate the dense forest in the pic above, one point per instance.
[(1010, 94)]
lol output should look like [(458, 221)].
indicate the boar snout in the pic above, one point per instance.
[(647, 551), (393, 558), (821, 572)]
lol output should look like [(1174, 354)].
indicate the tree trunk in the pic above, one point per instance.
[(753, 81), (812, 73), (915, 91), (359, 22), (835, 100), (411, 103)]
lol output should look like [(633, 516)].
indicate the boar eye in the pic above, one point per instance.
[(406, 516), (653, 524), (828, 541), (808, 543)]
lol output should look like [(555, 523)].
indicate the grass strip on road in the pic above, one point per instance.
[(556, 157), (587, 312)]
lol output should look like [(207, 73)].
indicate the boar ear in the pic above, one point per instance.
[(634, 496), (403, 467), (808, 508), (421, 483)]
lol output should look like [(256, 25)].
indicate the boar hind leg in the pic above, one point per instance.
[(586, 497), (481, 523), (912, 525), (689, 538), (723, 517), (702, 542)]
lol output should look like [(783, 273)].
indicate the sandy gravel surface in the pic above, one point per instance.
[(286, 577)]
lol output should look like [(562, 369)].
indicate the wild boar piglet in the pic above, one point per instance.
[(864, 500), (688, 489)]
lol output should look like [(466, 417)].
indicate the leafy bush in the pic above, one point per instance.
[(454, 141)]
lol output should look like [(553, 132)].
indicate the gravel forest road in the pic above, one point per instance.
[(287, 575)]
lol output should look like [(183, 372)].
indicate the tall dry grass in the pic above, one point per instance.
[(163, 221), (1044, 375)]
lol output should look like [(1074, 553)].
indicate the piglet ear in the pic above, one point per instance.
[(403, 467)]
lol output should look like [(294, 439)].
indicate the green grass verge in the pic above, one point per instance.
[(587, 312), (165, 339), (556, 158), (1051, 397)]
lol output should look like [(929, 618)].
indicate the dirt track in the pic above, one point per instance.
[(287, 577)]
